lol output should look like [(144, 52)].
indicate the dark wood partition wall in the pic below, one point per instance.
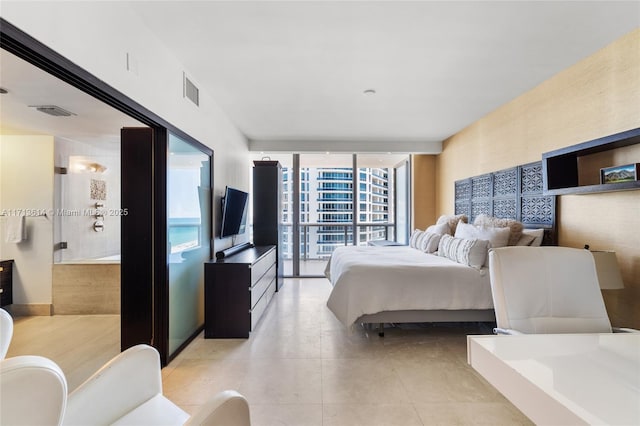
[(136, 285), (515, 193), (267, 210)]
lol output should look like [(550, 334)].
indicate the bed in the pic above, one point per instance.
[(374, 284), (399, 284)]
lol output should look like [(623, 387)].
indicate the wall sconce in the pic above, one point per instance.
[(80, 164), (608, 270), (95, 168)]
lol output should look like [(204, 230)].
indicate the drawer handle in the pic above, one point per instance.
[(1, 268)]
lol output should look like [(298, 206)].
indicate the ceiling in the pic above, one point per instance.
[(294, 72), (94, 122), (297, 70)]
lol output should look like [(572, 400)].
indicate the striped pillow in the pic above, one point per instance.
[(429, 242), (415, 235), (470, 252)]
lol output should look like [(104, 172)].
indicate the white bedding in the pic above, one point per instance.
[(372, 279)]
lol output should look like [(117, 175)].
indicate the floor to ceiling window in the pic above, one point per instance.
[(332, 200)]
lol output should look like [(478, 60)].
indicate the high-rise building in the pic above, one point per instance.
[(327, 208)]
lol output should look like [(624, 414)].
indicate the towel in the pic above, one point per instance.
[(15, 229)]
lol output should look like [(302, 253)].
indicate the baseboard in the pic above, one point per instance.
[(30, 309)]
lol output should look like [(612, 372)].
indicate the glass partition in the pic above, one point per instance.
[(189, 237), (87, 202)]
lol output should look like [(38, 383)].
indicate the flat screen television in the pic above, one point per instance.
[(234, 212)]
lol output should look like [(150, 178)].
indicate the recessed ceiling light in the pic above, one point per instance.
[(369, 92)]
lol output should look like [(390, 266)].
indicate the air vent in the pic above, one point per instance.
[(190, 91), (53, 110)]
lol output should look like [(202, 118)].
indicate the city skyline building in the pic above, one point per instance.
[(327, 208)]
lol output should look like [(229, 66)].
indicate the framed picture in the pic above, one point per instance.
[(615, 174)]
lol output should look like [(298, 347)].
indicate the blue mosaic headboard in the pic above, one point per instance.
[(514, 193)]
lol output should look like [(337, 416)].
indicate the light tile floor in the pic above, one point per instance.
[(303, 367)]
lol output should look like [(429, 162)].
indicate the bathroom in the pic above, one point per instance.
[(86, 228), (60, 171)]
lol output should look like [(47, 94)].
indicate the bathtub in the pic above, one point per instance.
[(86, 287)]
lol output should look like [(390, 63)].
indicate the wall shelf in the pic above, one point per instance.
[(561, 167)]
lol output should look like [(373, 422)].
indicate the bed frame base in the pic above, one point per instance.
[(442, 315)]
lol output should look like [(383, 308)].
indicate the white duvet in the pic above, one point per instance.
[(372, 279)]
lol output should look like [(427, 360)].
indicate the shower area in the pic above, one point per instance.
[(86, 227)]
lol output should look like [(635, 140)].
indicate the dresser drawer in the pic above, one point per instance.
[(259, 288), (259, 268), (258, 309)]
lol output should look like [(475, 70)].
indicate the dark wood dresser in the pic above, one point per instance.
[(237, 290), (6, 282)]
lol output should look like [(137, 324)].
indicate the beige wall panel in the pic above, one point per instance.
[(86, 289), (596, 97), (423, 197)]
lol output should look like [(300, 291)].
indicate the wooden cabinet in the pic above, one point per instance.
[(6, 282), (576, 169), (237, 290), (267, 209)]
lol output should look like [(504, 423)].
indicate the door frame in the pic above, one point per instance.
[(21, 44)]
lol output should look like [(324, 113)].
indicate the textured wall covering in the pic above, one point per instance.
[(596, 97), (423, 194)]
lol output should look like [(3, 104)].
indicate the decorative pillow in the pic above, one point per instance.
[(452, 220), (498, 237), (417, 233), (525, 240), (470, 252), (537, 233), (441, 229), (516, 227), (429, 242)]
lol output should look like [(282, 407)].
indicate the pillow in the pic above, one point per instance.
[(537, 233), (516, 227), (441, 229), (452, 220), (413, 240), (470, 252), (525, 240), (498, 237), (429, 242)]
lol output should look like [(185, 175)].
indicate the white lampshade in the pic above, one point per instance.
[(607, 269)]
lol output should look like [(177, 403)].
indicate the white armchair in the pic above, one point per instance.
[(33, 391), (6, 332), (125, 391), (546, 290)]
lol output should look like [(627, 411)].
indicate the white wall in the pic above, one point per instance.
[(98, 35), (26, 182)]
